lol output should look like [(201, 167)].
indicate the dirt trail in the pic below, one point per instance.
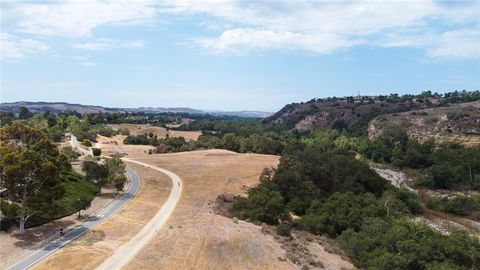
[(397, 178), (124, 253)]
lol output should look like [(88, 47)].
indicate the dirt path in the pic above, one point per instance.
[(397, 178), (126, 252)]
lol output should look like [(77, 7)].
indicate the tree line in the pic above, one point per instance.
[(37, 183)]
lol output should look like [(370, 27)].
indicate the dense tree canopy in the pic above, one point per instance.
[(29, 171)]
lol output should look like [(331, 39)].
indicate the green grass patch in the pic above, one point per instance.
[(76, 186)]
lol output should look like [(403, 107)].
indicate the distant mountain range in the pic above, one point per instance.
[(59, 107)]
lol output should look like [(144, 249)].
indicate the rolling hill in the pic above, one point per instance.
[(59, 107)]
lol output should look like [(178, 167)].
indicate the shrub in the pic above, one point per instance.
[(6, 223), (434, 203), (70, 153), (96, 152), (87, 143), (459, 205), (284, 229), (124, 131)]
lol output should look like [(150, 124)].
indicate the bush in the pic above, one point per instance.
[(284, 229), (411, 201), (6, 223), (86, 142), (434, 203), (96, 152), (404, 244), (459, 205), (124, 131), (263, 204), (70, 153), (340, 212)]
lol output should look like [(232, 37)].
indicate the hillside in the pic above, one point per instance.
[(338, 113), (54, 107), (354, 113), (456, 123), (61, 107)]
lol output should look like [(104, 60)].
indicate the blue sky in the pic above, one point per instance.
[(234, 55)]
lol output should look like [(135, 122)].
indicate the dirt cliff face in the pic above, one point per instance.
[(339, 113), (456, 123)]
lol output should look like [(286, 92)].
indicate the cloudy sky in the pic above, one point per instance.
[(232, 55)]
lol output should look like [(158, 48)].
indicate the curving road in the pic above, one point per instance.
[(50, 248), (127, 251)]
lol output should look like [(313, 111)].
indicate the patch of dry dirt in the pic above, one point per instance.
[(114, 145)]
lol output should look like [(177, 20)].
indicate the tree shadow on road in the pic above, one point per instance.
[(37, 234)]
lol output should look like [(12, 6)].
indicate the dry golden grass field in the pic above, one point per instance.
[(193, 237), (137, 129)]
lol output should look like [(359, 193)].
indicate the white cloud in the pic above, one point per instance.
[(324, 26), (14, 48), (102, 44), (459, 44), (440, 28), (77, 18), (241, 40)]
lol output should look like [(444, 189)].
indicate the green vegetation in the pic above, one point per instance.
[(70, 153), (76, 188), (403, 244), (38, 184), (96, 152), (367, 217), (29, 167), (457, 205), (267, 143), (86, 143), (82, 203), (446, 167), (335, 194), (110, 173), (116, 173)]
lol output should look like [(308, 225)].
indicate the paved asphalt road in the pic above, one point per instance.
[(43, 252)]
